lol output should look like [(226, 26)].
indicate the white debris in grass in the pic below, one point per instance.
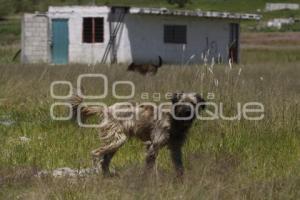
[(24, 139), (68, 172), (6, 120), (261, 78)]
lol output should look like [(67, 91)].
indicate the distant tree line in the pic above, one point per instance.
[(9, 7)]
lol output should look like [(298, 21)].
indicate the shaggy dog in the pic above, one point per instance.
[(145, 69), (169, 129)]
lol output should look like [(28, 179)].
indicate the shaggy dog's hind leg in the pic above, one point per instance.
[(106, 152)]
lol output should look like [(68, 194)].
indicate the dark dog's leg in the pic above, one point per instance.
[(176, 155), (175, 146), (106, 162)]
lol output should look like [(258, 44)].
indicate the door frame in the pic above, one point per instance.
[(234, 42), (52, 39)]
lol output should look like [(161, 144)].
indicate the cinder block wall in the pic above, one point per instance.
[(35, 35)]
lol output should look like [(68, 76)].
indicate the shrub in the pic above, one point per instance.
[(180, 3), (6, 8)]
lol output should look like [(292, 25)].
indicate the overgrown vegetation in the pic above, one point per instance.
[(17, 7), (224, 159), (10, 31), (179, 3)]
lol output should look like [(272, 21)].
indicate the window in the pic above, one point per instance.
[(175, 34), (93, 30)]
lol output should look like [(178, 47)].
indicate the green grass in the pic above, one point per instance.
[(223, 159), (216, 5), (229, 5), (283, 56), (7, 53), (10, 36), (281, 14), (10, 31)]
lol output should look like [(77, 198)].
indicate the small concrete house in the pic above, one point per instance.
[(102, 34)]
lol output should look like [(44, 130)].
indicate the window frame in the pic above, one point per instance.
[(175, 38), (93, 33)]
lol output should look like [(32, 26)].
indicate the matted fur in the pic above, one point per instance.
[(154, 132)]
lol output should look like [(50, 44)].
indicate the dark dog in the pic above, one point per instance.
[(146, 68), (155, 132)]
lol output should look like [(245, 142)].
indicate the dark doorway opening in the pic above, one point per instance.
[(234, 42)]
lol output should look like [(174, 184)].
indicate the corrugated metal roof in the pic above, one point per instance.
[(196, 13)]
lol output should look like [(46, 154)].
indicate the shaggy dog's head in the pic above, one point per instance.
[(186, 105)]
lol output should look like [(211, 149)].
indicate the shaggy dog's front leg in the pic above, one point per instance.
[(151, 155), (159, 139)]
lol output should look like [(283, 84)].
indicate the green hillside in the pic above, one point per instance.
[(10, 29), (17, 6)]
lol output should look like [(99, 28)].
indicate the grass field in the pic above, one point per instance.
[(223, 159)]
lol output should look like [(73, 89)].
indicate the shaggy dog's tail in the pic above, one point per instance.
[(84, 111)]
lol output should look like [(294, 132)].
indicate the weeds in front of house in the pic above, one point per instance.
[(228, 159)]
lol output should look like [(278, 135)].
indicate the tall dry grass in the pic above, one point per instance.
[(223, 159)]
